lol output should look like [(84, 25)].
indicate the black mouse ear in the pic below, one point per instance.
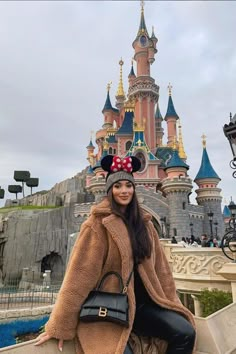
[(106, 162), (136, 164)]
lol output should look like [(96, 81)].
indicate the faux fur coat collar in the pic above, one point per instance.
[(103, 245)]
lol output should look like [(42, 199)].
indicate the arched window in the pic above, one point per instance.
[(127, 145), (175, 231), (142, 159), (110, 151)]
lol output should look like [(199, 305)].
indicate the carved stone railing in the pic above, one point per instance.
[(196, 268)]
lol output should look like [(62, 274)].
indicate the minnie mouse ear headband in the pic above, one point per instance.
[(119, 169)]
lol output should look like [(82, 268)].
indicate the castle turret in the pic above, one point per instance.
[(208, 194), (108, 110), (143, 91), (132, 75), (90, 149), (158, 126), (171, 117), (177, 187)]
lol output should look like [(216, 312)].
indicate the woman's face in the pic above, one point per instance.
[(123, 192)]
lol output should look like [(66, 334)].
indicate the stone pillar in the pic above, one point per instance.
[(197, 306), (186, 300), (47, 279), (228, 271), (24, 283)]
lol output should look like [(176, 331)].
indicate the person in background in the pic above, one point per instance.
[(215, 242), (120, 236), (173, 240), (183, 242), (204, 240)]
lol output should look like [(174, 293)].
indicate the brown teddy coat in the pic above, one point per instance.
[(104, 245)]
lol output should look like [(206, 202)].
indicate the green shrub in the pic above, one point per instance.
[(214, 300)]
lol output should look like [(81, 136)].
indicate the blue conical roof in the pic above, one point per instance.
[(171, 109), (153, 34), (206, 170), (142, 26), (127, 125), (176, 161), (90, 145), (226, 212), (107, 104), (158, 113), (132, 71)]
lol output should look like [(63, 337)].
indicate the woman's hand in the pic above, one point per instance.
[(44, 337)]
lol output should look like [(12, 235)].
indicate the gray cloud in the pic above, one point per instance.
[(57, 57)]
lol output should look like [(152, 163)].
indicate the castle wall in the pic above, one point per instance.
[(32, 235)]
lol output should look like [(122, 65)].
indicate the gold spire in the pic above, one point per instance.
[(203, 140), (182, 154), (120, 91), (169, 88)]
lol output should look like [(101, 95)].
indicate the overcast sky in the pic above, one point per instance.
[(56, 59)]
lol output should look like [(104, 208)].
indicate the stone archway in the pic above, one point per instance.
[(53, 262)]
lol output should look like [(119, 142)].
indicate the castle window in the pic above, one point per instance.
[(175, 231), (184, 205), (114, 151), (142, 159), (110, 150), (127, 145)]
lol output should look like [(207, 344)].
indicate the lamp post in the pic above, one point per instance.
[(228, 242), (230, 133), (210, 218), (163, 221), (191, 228), (168, 230), (216, 228)]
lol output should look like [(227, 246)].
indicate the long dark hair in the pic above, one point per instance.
[(133, 218)]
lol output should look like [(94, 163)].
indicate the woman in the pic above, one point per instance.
[(119, 236)]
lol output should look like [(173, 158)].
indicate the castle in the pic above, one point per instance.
[(135, 127), (163, 186)]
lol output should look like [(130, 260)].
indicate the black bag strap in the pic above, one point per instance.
[(123, 289)]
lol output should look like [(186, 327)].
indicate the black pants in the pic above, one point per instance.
[(151, 320)]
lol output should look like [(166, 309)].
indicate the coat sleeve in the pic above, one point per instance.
[(163, 270), (83, 272)]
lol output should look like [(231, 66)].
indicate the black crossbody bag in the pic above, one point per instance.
[(107, 306)]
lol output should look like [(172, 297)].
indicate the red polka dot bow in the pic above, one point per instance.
[(119, 164)]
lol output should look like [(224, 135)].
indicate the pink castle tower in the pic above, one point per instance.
[(135, 126), (143, 91)]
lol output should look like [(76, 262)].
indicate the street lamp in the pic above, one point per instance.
[(216, 229), (229, 239), (191, 228), (163, 221), (168, 230), (210, 218), (230, 133)]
